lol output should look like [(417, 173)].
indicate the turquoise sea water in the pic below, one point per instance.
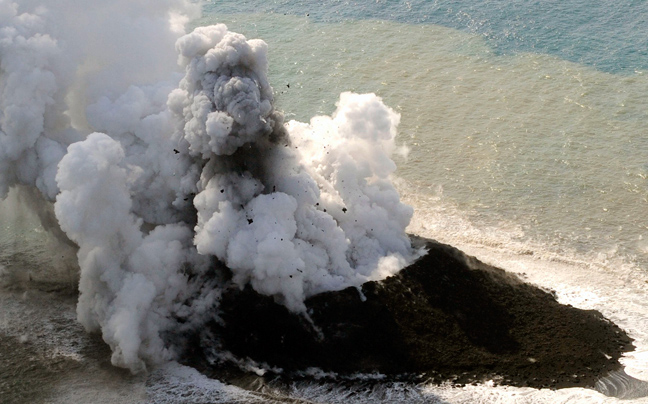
[(608, 35), (526, 123), (526, 120)]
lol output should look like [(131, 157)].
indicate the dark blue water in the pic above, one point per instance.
[(611, 36)]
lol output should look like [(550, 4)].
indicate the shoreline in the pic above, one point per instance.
[(448, 317), (91, 355)]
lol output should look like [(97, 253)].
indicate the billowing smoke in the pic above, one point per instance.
[(158, 177)]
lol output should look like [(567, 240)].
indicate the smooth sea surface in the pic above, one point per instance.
[(527, 117), (527, 129)]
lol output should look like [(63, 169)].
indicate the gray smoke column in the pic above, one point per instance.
[(156, 181)]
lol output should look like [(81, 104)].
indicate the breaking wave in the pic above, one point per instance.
[(162, 162)]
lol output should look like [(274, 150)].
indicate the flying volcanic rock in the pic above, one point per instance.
[(159, 176), (199, 215)]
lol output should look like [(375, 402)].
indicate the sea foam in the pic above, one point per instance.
[(157, 181)]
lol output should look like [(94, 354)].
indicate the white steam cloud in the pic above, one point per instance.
[(155, 174)]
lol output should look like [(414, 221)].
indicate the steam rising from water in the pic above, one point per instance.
[(155, 175)]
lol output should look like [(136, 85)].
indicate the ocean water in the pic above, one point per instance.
[(526, 129), (526, 124), (530, 115)]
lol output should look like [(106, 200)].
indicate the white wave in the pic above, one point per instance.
[(155, 175)]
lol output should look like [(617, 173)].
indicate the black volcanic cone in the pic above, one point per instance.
[(448, 317)]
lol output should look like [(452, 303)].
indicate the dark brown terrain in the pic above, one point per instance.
[(447, 317)]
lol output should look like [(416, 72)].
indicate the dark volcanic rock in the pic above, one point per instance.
[(447, 317)]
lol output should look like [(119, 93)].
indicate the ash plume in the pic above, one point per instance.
[(161, 173)]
